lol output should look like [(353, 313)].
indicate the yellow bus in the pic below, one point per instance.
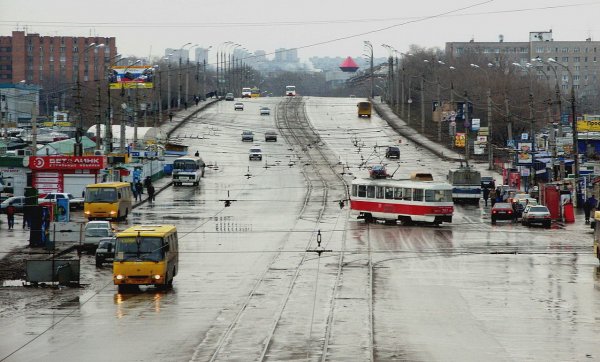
[(146, 255), (597, 234), (364, 109), (254, 92), (108, 200)]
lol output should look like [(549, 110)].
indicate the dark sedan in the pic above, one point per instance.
[(502, 211)]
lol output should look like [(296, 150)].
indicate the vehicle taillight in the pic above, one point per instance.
[(510, 211), (494, 211)]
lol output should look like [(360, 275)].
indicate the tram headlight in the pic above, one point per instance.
[(120, 277), (157, 277)]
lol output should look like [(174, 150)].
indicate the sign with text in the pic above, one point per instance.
[(67, 162), (459, 140), (138, 76), (475, 124)]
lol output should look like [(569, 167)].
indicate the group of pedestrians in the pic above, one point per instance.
[(138, 189)]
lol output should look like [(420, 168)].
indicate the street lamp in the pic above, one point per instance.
[(489, 115), (556, 92), (168, 59), (78, 147), (179, 75), (369, 46), (575, 133)]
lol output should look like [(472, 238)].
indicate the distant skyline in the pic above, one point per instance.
[(316, 28)]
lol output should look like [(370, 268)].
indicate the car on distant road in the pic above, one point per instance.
[(270, 136), (265, 111), (94, 232), (105, 251), (229, 97), (74, 202), (502, 211), (255, 153), (536, 214), (392, 152), (247, 136), (17, 201), (238, 106)]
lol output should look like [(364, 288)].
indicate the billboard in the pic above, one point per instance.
[(525, 153), (131, 76)]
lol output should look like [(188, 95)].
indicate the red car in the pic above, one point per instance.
[(502, 211)]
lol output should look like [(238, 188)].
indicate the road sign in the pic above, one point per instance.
[(475, 123)]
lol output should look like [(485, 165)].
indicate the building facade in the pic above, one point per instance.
[(580, 69), (37, 59)]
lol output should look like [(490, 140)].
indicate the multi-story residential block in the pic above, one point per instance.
[(38, 59)]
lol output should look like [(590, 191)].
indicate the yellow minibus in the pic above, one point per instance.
[(108, 200), (146, 255)]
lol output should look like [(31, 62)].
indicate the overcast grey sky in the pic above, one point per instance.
[(148, 27)]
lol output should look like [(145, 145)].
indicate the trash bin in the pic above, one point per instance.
[(569, 213)]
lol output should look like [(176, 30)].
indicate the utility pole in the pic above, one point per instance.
[(467, 127), (179, 85), (490, 144), (423, 103), (169, 86), (98, 116), (508, 118), (402, 90), (439, 100), (532, 138)]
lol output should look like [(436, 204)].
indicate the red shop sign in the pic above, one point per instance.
[(67, 162)]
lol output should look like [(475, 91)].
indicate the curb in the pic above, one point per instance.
[(187, 118)]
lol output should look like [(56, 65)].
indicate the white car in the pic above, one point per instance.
[(94, 231), (265, 111), (74, 202), (536, 214), (238, 107), (255, 153)]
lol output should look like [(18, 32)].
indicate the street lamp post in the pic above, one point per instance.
[(168, 59), (370, 47), (78, 147), (179, 85), (490, 144), (575, 133)]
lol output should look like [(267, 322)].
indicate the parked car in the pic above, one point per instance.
[(17, 201), (270, 136), (94, 232), (74, 202), (265, 111), (536, 214), (105, 251), (392, 152), (247, 136), (238, 106), (229, 97), (502, 211), (255, 153)]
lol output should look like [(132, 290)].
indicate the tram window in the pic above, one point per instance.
[(371, 192), (389, 193), (397, 193), (438, 195), (379, 192), (407, 194), (417, 195), (362, 190), (354, 190)]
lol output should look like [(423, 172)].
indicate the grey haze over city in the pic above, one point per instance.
[(317, 28)]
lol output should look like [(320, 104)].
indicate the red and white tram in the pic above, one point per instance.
[(409, 200)]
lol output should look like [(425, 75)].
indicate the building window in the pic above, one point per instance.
[(575, 50), (460, 50), (523, 50), (63, 49), (585, 59), (576, 86), (539, 50), (565, 50), (51, 48), (576, 59), (586, 50), (30, 48), (565, 87), (577, 67), (75, 48), (565, 59), (487, 50)]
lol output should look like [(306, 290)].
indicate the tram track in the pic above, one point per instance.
[(280, 277)]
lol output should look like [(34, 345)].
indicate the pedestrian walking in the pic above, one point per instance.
[(150, 189), (134, 191), (170, 116), (493, 197), (139, 189), (197, 100), (486, 195), (26, 222), (10, 216), (590, 204)]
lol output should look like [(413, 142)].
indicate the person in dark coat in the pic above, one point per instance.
[(588, 206), (139, 188), (10, 216), (486, 195), (150, 189)]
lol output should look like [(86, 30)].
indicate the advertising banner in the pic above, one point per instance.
[(62, 210), (459, 140), (588, 126), (525, 155), (127, 76), (67, 162)]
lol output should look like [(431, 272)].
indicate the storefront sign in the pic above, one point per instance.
[(67, 162)]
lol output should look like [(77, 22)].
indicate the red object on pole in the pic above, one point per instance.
[(568, 212)]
